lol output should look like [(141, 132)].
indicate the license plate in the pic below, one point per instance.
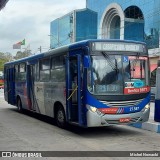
[(124, 120)]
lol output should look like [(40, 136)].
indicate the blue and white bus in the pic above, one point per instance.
[(90, 83)]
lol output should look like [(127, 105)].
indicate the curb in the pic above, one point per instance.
[(154, 127)]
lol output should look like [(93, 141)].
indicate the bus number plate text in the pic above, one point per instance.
[(124, 120)]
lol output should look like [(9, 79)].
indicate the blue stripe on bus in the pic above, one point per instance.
[(137, 125), (96, 103)]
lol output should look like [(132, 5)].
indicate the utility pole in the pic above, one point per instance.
[(40, 49)]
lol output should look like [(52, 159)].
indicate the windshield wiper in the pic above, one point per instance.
[(135, 61), (110, 62)]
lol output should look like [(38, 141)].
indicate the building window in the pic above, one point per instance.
[(133, 12)]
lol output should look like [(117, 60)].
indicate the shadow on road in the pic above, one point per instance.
[(110, 131), (35, 115)]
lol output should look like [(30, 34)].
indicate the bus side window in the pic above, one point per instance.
[(22, 72), (58, 69), (37, 72), (16, 67), (45, 70)]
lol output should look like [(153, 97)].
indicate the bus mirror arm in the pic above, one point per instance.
[(86, 61), (86, 58)]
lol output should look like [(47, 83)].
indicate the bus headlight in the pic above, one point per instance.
[(146, 108), (95, 110)]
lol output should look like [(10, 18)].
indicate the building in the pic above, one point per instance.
[(116, 19), (131, 20), (72, 27)]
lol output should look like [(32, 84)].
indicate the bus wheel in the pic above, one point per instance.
[(19, 105), (60, 117)]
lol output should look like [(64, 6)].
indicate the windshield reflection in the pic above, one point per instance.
[(110, 74)]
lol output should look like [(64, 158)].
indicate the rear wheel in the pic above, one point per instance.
[(19, 105), (60, 117)]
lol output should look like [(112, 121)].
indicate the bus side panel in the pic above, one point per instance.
[(30, 83), (48, 98), (13, 97), (21, 91), (53, 92), (46, 94), (39, 97), (10, 86), (5, 85)]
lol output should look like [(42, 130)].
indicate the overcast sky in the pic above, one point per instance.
[(30, 19)]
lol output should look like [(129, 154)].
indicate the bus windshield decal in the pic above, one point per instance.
[(136, 90)]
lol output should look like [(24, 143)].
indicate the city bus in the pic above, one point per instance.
[(91, 83)]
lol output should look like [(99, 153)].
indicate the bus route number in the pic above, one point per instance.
[(134, 109)]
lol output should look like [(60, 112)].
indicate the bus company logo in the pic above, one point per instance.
[(6, 154), (138, 84), (129, 84), (109, 110)]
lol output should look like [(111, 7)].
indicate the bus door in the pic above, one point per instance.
[(10, 89), (30, 86), (73, 89)]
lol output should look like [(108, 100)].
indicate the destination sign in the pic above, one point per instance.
[(114, 46)]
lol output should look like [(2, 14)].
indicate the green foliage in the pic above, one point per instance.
[(7, 57), (24, 54), (4, 57)]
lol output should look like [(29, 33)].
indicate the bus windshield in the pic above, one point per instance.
[(115, 74)]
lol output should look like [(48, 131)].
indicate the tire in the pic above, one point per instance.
[(60, 117), (19, 105)]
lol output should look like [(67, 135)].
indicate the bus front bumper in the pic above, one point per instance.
[(95, 120)]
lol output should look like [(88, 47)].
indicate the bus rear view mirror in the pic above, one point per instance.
[(86, 61)]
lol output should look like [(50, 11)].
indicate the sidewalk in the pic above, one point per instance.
[(151, 125)]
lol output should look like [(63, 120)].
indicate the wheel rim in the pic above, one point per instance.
[(60, 116)]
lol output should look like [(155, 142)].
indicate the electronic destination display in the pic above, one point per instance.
[(114, 46)]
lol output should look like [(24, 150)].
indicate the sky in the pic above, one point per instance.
[(30, 20)]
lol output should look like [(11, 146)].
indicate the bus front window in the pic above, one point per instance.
[(118, 74), (138, 70), (105, 75)]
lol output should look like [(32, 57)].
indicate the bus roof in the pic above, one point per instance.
[(67, 48)]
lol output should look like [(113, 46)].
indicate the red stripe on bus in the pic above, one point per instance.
[(109, 110)]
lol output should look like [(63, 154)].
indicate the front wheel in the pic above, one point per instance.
[(60, 117)]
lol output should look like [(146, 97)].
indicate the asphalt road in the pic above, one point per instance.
[(32, 132)]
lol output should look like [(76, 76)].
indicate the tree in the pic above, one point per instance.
[(4, 57), (24, 54)]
